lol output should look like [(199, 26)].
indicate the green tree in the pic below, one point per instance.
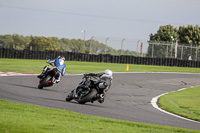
[(20, 42), (189, 35), (54, 43), (15, 41), (165, 33), (64, 44), (42, 43), (7, 41)]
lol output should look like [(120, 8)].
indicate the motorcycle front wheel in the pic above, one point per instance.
[(88, 97), (69, 97), (44, 82)]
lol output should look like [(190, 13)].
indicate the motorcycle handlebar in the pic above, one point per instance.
[(55, 67), (58, 69), (51, 64)]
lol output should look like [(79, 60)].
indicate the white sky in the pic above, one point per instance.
[(132, 19)]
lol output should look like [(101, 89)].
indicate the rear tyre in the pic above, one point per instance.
[(88, 97), (44, 82)]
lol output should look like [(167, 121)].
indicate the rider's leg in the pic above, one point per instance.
[(43, 72), (57, 77), (103, 95)]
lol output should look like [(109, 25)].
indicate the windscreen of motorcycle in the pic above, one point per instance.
[(85, 81), (82, 81)]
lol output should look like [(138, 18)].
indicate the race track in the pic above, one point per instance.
[(128, 99)]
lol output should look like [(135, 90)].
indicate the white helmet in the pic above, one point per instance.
[(61, 57), (108, 72)]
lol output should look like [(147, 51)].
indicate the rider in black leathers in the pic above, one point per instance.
[(101, 81), (104, 84)]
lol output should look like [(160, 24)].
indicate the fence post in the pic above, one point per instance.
[(152, 50), (1, 52)]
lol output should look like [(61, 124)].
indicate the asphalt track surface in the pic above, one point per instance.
[(129, 98)]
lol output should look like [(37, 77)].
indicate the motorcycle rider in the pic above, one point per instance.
[(105, 83), (59, 63)]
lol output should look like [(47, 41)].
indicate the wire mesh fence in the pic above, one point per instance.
[(144, 48), (173, 50), (121, 46)]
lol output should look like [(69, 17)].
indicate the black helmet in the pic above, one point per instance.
[(61, 57)]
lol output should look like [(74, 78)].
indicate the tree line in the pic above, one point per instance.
[(21, 42)]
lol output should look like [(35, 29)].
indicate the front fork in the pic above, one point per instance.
[(76, 94), (53, 80)]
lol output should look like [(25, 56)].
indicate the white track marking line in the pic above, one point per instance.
[(15, 74)]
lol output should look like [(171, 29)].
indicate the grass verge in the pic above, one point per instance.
[(185, 103), (20, 118)]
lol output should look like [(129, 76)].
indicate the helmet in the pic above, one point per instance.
[(61, 57), (108, 72)]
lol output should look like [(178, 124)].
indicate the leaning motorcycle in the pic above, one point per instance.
[(49, 77), (90, 89)]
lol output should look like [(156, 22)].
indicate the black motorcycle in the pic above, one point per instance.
[(48, 78), (90, 89)]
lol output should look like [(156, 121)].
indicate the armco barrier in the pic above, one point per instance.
[(70, 56)]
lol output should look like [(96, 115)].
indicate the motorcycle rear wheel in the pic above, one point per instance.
[(88, 97)]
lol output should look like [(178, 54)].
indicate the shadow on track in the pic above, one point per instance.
[(72, 102), (25, 86), (32, 87), (52, 99)]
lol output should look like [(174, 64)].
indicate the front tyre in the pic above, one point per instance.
[(88, 97), (69, 97), (44, 82)]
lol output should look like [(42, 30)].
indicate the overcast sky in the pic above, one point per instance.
[(131, 19)]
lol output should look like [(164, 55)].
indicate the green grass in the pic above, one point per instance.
[(19, 118), (185, 103), (16, 117), (36, 66)]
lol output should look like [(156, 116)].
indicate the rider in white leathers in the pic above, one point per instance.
[(106, 81)]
